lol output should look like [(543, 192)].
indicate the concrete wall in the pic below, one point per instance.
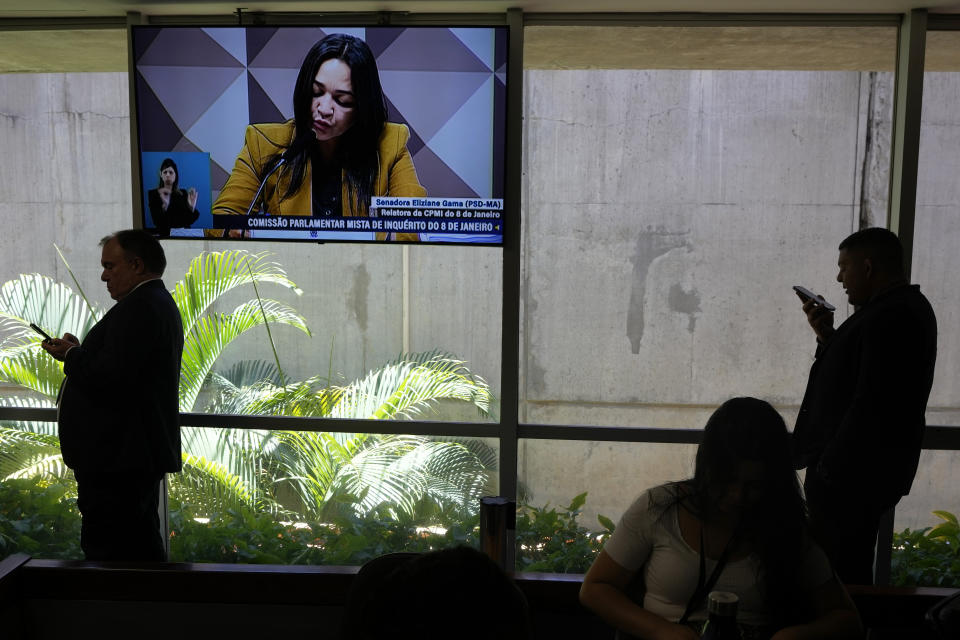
[(666, 215)]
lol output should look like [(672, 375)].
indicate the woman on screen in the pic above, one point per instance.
[(170, 206), (336, 153)]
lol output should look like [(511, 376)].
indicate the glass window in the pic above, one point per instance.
[(340, 315), (937, 229), (571, 491), (256, 496), (38, 494), (295, 497), (679, 181), (924, 538), (355, 324), (918, 557)]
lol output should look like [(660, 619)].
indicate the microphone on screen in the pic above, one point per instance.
[(292, 151)]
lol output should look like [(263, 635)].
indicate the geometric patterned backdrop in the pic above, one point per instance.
[(198, 88)]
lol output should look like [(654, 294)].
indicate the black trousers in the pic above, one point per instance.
[(120, 519), (845, 525)]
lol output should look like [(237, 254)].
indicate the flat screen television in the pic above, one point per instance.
[(222, 152)]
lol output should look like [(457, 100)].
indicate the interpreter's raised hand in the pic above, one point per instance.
[(58, 347), (192, 198), (164, 193), (820, 319)]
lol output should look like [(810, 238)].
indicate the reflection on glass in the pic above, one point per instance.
[(572, 494), (324, 498)]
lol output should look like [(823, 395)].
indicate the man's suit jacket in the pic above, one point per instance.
[(119, 405), (862, 418)]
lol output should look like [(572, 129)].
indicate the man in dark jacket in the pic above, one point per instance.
[(861, 423), (119, 404)]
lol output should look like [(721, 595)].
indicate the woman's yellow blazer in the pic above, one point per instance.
[(396, 176)]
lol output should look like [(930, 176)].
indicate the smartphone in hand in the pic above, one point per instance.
[(40, 331), (805, 294)]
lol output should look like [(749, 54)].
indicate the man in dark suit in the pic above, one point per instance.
[(861, 423), (119, 404)]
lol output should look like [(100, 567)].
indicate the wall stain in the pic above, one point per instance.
[(358, 294), (536, 377), (652, 244), (687, 302)]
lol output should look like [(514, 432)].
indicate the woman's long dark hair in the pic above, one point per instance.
[(775, 524), (358, 146), (168, 162)]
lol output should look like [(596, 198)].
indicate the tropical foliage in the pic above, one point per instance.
[(36, 518), (39, 518), (928, 557), (552, 540), (253, 474)]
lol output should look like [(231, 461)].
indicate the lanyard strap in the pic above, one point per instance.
[(704, 586)]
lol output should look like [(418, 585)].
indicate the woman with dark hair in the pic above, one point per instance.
[(336, 153), (170, 206), (739, 525)]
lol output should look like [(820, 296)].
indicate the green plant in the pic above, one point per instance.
[(547, 539), (551, 540), (249, 537), (39, 519), (58, 309), (254, 473), (413, 477), (928, 557)]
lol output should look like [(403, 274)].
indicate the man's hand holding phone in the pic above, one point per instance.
[(58, 347), (819, 312)]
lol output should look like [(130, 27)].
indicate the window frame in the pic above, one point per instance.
[(911, 41)]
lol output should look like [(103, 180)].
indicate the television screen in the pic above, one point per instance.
[(356, 134)]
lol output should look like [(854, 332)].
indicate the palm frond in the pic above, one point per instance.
[(405, 388), (266, 325), (30, 448), (53, 307), (410, 386), (232, 391), (327, 473), (25, 454), (248, 372), (24, 363), (30, 426), (211, 334), (304, 398), (397, 474), (487, 454), (406, 473), (76, 282), (210, 275), (309, 462), (209, 487), (244, 453)]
